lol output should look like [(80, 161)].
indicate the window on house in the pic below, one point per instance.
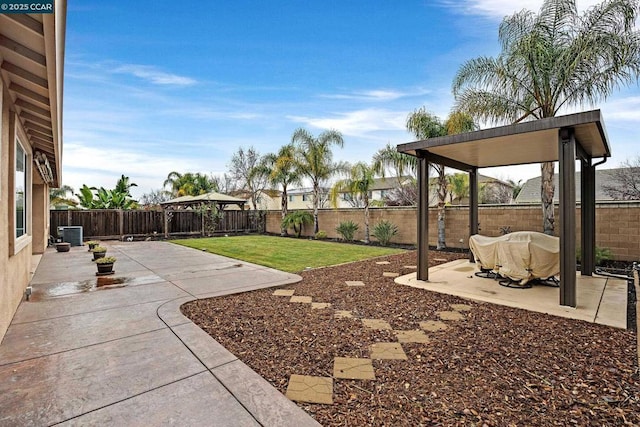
[(21, 190), (305, 197), (290, 198)]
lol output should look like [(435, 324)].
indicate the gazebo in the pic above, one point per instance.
[(222, 200), (581, 136)]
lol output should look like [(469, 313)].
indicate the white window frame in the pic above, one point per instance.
[(17, 244)]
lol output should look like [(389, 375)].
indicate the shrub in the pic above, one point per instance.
[(99, 249), (384, 231), (602, 254), (296, 220), (106, 260), (347, 229), (321, 235)]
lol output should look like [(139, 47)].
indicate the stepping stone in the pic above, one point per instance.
[(412, 336), (320, 305), (433, 325), (461, 307), (450, 315), (306, 300), (353, 368), (305, 388), (383, 262), (411, 266), (343, 314), (388, 351), (354, 283), (284, 292), (390, 274), (377, 324), (440, 260)]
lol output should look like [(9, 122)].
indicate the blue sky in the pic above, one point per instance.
[(154, 86)]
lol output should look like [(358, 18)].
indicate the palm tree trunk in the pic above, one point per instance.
[(366, 220), (547, 190), (316, 202), (284, 204)]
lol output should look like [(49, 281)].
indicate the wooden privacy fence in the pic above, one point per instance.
[(116, 223)]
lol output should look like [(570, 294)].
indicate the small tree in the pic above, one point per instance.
[(358, 186), (297, 220), (625, 182)]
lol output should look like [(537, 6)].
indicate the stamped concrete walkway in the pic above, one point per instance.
[(117, 351)]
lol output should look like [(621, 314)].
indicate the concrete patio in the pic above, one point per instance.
[(600, 299), (117, 351)]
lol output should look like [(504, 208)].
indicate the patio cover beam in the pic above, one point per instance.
[(587, 217), (473, 206), (423, 216)]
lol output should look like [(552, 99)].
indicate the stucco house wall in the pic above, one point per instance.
[(30, 112)]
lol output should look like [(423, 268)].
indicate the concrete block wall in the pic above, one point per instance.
[(617, 224)]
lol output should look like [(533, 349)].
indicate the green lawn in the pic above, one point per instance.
[(286, 254)]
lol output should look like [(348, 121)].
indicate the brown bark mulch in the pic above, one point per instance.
[(499, 366)]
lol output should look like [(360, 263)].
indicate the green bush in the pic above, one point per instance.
[(602, 254), (321, 235), (347, 229), (106, 260), (384, 231), (297, 220)]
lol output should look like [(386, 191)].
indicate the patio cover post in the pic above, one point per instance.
[(423, 217), (567, 163), (473, 206), (587, 217)]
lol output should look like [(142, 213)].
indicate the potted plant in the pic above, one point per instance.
[(105, 265), (92, 244), (98, 252)]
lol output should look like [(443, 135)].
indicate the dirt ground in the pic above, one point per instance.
[(498, 366)]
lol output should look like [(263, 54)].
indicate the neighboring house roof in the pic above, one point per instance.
[(530, 192), (389, 183), (305, 190)]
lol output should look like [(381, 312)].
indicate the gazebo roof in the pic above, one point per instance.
[(221, 199), (521, 143)]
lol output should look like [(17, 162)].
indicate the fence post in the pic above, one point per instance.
[(121, 222), (165, 223)]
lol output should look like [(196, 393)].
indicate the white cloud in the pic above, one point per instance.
[(498, 9), (623, 109), (154, 75), (378, 95), (358, 123)]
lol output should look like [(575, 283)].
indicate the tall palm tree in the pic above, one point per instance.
[(189, 184), (59, 196), (315, 160), (549, 62), (282, 170), (425, 125), (358, 184), (459, 185)]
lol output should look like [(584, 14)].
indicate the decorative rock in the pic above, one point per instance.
[(383, 262), (302, 299), (284, 292), (413, 267), (388, 351), (305, 388), (390, 274), (353, 368)]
